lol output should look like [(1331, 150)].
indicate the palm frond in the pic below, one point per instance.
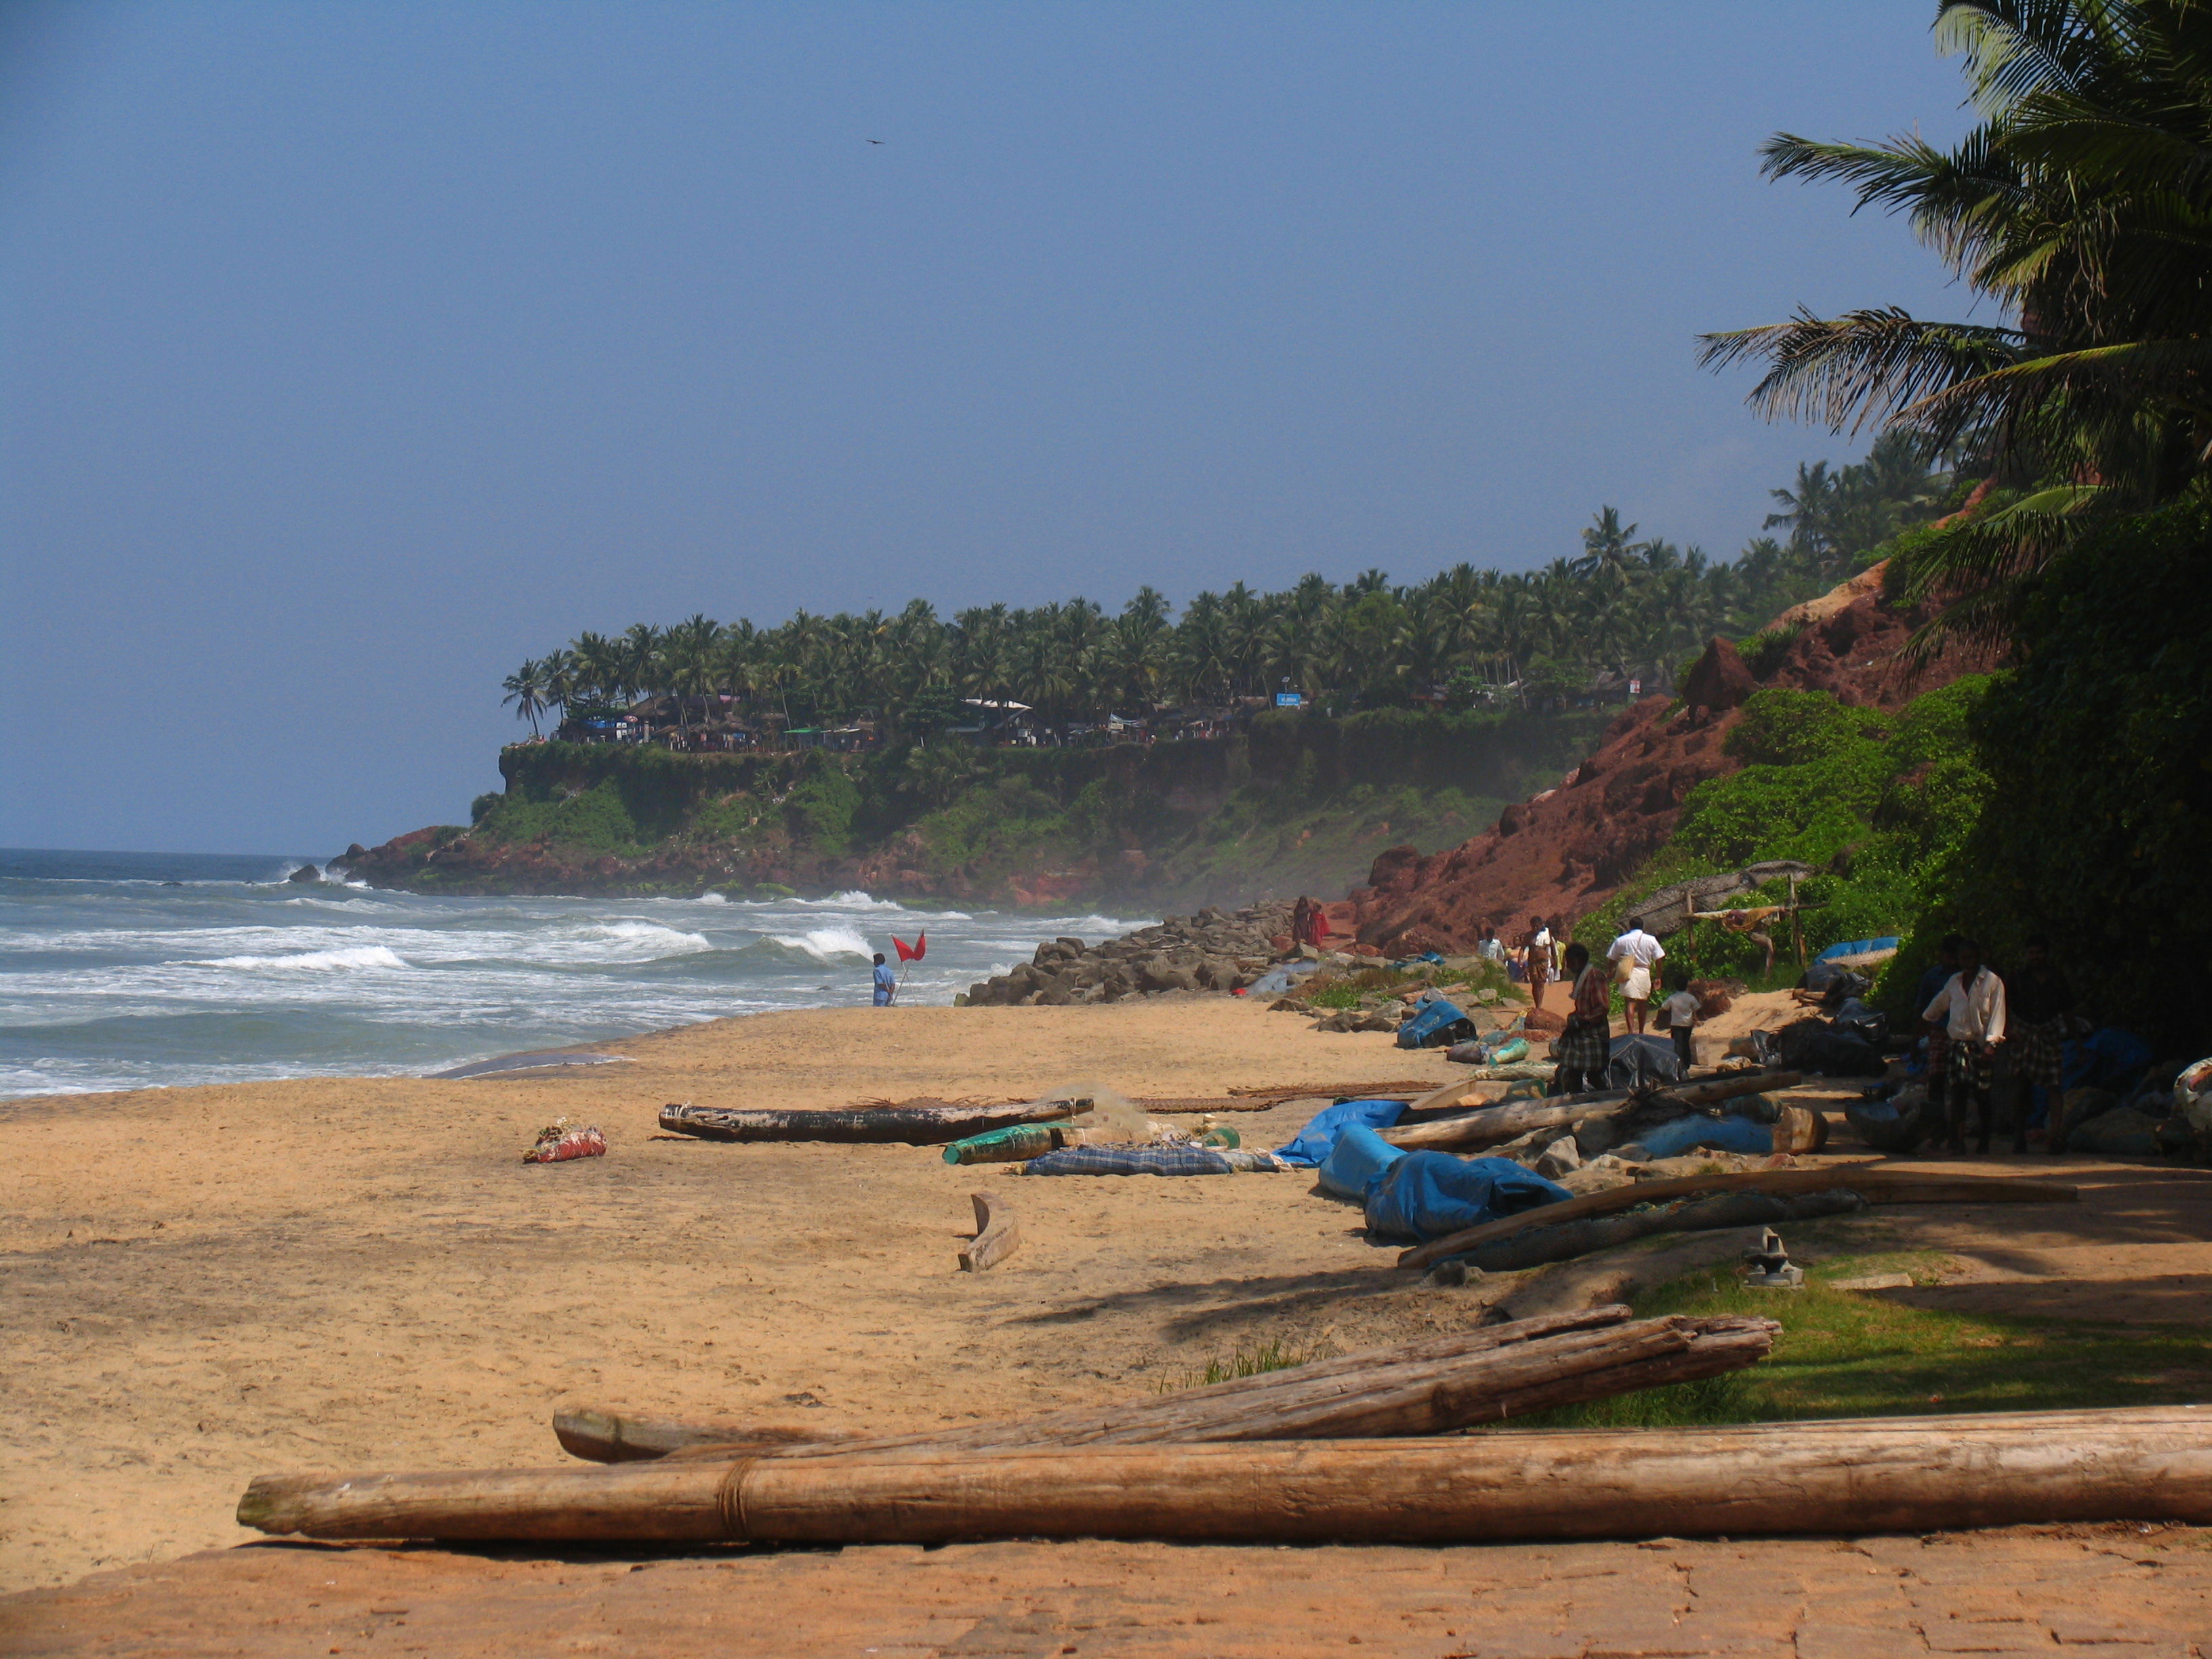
[(1864, 366)]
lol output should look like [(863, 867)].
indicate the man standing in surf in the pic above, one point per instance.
[(886, 982)]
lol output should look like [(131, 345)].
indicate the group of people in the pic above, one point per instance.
[(1973, 1016), (1584, 1049)]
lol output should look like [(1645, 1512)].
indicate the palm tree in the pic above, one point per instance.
[(526, 689), (1606, 543), (2082, 206)]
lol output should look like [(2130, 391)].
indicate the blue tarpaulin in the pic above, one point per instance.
[(1426, 1195), (2107, 1058), (1726, 1134), (1358, 1156), (1318, 1138), (1436, 1013)]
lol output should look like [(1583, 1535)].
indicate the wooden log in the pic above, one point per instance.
[(1445, 1382), (1265, 1097), (998, 1234), (1492, 1126), (917, 1126), (612, 1437), (1188, 1412), (1202, 1413), (1710, 1091), (1407, 1087), (1909, 1475), (1870, 1179)]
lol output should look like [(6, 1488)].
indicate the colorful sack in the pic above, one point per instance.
[(558, 1143)]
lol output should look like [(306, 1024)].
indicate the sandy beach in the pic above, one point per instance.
[(207, 1284)]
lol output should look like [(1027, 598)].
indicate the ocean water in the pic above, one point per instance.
[(127, 970)]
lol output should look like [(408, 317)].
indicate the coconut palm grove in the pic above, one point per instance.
[(1625, 607)]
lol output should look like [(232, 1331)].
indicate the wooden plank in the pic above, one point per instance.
[(1912, 1474), (1870, 1179), (998, 1234)]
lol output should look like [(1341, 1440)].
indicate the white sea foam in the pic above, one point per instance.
[(120, 979), (827, 944), (356, 955)]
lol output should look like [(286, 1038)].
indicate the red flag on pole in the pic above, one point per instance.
[(914, 952)]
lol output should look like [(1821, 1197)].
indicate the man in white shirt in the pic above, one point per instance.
[(1972, 1008), (1637, 952)]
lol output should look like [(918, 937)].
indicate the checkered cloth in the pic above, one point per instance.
[(1185, 1160), (2037, 1051), (1972, 1066), (1585, 1046)]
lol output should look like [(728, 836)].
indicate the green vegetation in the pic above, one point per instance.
[(1465, 638), (1272, 1355), (1365, 986), (1880, 804), (1296, 800), (1844, 1354)]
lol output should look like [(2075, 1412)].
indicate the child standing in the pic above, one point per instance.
[(1679, 1014)]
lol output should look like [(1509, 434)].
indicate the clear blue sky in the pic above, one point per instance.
[(355, 352)]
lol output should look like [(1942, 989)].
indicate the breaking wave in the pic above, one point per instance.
[(353, 956)]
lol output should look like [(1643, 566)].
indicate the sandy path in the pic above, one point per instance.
[(2114, 1592)]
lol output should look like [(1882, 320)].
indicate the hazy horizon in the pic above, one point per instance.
[(359, 352)]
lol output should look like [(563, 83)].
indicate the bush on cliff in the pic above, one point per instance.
[(1878, 804)]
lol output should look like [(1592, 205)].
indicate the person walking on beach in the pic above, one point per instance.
[(886, 982), (1584, 1049), (1488, 948), (1536, 962), (1637, 953), (1972, 1006)]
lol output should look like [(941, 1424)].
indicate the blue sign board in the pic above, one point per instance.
[(1289, 700)]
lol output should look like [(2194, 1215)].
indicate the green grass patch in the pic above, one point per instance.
[(1351, 990), (1845, 1353), (1272, 1355)]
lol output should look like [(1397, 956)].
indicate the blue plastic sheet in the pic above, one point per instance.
[(1359, 1157), (1318, 1138), (1436, 1013), (1280, 979), (1426, 1195), (2107, 1059), (1725, 1134)]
